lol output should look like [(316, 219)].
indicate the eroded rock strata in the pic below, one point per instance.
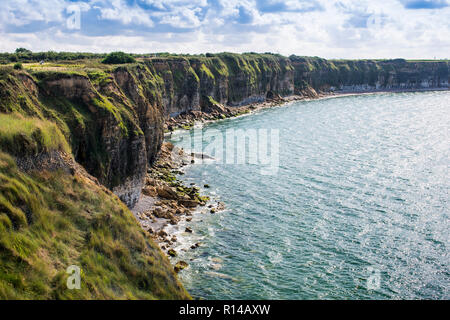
[(114, 117)]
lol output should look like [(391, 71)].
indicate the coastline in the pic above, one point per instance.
[(188, 120), (167, 205)]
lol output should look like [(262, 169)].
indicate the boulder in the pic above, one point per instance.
[(151, 182), (172, 253), (209, 105), (220, 206), (273, 96), (166, 192), (180, 266), (162, 234), (159, 213), (149, 191), (189, 203)]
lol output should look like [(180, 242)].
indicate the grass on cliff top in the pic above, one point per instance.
[(52, 220), (29, 136)]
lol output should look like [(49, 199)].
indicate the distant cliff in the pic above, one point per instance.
[(229, 79), (113, 116), (368, 75)]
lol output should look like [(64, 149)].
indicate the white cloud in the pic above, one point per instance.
[(21, 12), (120, 11), (183, 18), (331, 29)]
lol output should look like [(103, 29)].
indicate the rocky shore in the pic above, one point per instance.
[(166, 201), (216, 111)]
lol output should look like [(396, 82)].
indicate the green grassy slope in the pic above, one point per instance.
[(50, 220), (23, 136)]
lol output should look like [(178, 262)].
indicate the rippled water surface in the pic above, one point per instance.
[(359, 207)]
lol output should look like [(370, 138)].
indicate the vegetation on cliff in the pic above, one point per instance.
[(22, 136), (96, 118), (50, 220), (109, 114), (28, 56), (53, 217)]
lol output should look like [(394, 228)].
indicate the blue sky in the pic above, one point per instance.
[(330, 29)]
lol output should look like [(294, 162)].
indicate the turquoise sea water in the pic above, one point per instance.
[(357, 209)]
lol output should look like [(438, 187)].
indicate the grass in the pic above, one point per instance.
[(51, 220), (206, 71), (29, 136), (99, 78), (105, 104), (49, 74), (79, 120)]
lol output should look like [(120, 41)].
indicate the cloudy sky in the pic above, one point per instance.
[(326, 28)]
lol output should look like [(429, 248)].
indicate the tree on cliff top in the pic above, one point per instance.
[(118, 57), (23, 50)]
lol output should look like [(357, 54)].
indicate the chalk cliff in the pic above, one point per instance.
[(113, 117)]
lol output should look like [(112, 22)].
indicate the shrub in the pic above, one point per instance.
[(22, 50), (18, 66), (118, 58)]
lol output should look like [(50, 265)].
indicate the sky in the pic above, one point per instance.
[(410, 29)]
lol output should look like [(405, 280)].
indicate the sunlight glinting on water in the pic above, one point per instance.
[(358, 208)]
